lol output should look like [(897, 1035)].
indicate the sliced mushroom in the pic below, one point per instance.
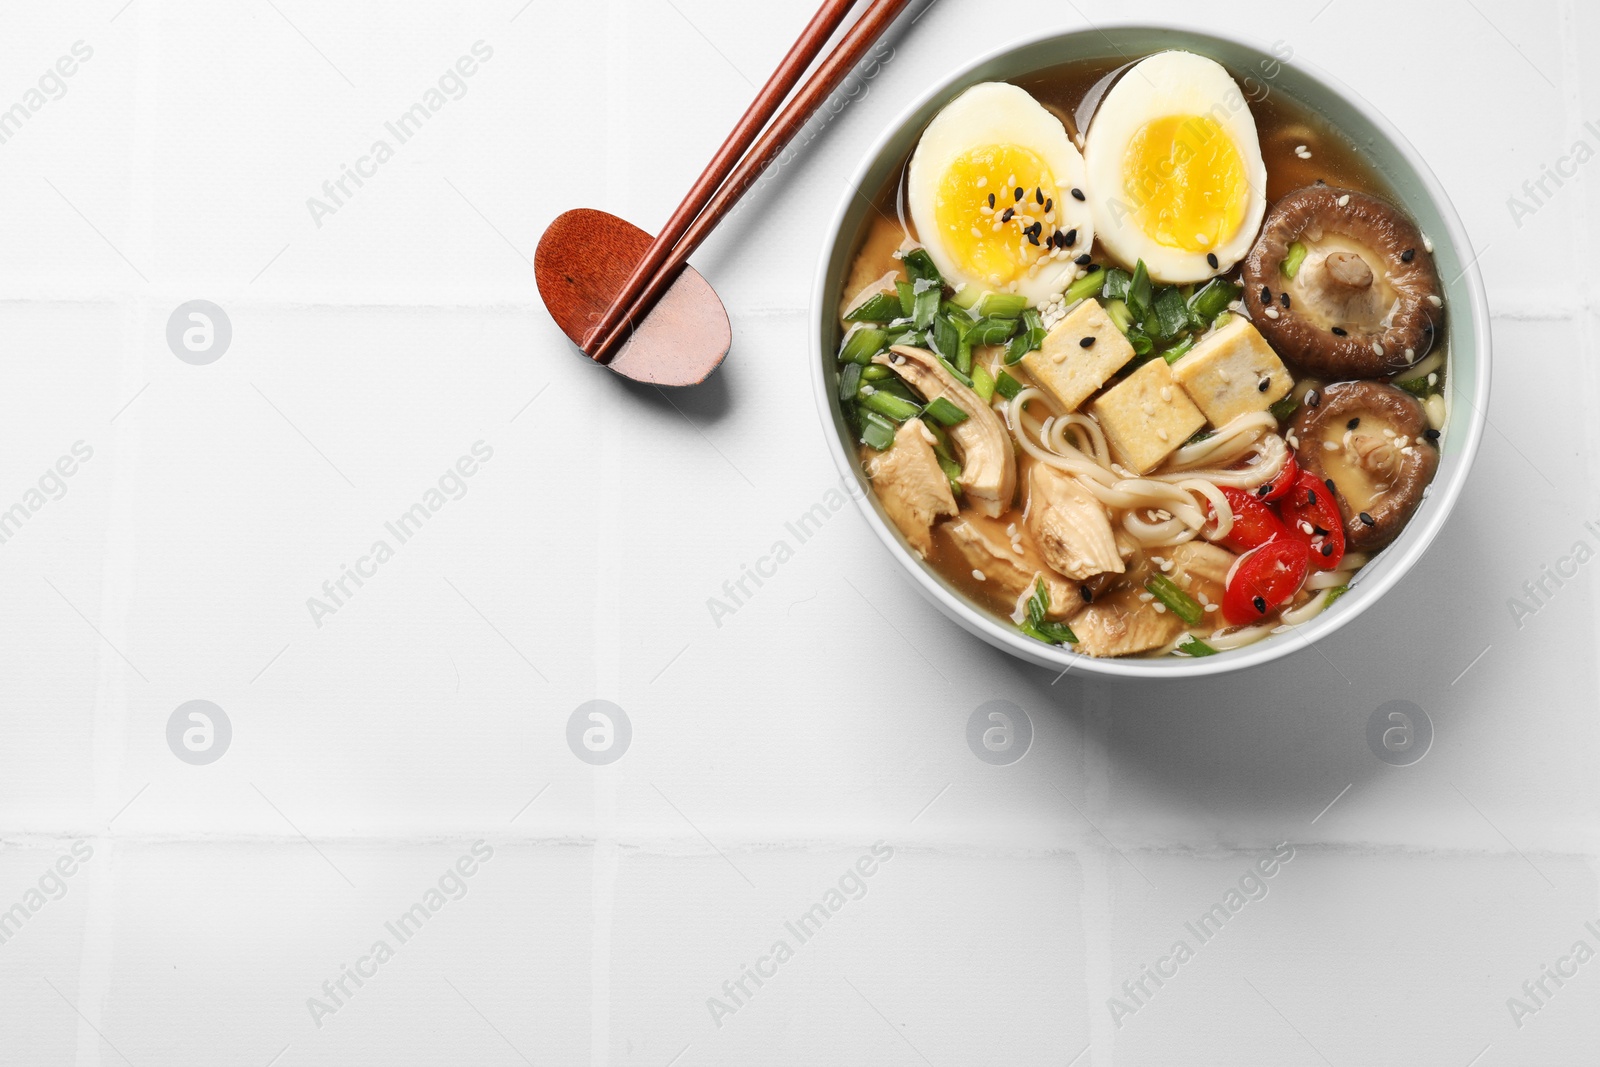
[(1367, 440), (1364, 303), (911, 486), (988, 465), (1009, 562), (1069, 525), (1122, 624)]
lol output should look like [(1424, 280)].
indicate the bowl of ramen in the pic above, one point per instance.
[(1153, 352)]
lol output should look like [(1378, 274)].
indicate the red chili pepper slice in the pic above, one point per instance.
[(1312, 515), (1278, 488), (1254, 523), (1264, 579)]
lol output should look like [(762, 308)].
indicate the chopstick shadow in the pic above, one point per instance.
[(704, 404)]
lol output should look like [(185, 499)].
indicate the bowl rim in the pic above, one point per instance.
[(1409, 548)]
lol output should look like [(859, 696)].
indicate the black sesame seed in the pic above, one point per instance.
[(1077, 194), (1408, 255), (1071, 239), (1367, 519), (1353, 423), (1283, 298), (1327, 548), (1092, 267), (1431, 434), (1266, 295), (991, 200), (1086, 593), (1038, 195), (1264, 489), (1083, 260), (1033, 238), (1340, 331), (1006, 215), (1311, 496), (1313, 399), (1211, 259), (1263, 385), (1329, 483), (1037, 228), (1049, 203), (1017, 193), (1261, 604), (1087, 342), (1319, 531)]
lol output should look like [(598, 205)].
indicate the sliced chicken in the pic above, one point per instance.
[(1070, 525), (1010, 563), (1123, 625), (911, 486), (988, 465)]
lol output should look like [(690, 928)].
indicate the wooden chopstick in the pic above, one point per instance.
[(793, 65), (832, 70)]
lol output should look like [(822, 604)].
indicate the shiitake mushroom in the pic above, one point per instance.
[(1365, 300), (1379, 462)]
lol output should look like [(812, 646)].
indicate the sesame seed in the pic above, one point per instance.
[(1162, 434), (1071, 239), (1283, 298), (991, 200), (1033, 239), (1077, 194), (1431, 435), (1329, 483), (1353, 423), (1083, 260), (1367, 519), (1435, 300), (1086, 594), (1266, 295), (1038, 195), (1340, 331), (1264, 489), (1087, 342), (1211, 258), (1327, 548), (1426, 243), (1263, 385), (977, 574), (1261, 604), (1166, 392), (1008, 214), (1313, 398), (1161, 609), (1344, 200), (1408, 255), (1377, 349), (1271, 312), (1049, 203), (1017, 193), (1331, 446)]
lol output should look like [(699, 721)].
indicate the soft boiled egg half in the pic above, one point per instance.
[(1175, 170), (996, 191)]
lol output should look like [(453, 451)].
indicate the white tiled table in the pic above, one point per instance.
[(770, 753)]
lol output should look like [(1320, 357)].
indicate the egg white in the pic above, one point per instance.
[(997, 113), (1168, 84)]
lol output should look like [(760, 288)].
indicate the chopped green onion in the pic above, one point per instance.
[(982, 382), (1169, 313), (952, 473), (876, 431), (888, 405), (1017, 347), (880, 307), (1193, 646), (873, 372), (1199, 435), (1222, 320), (907, 335), (1034, 324), (966, 297), (925, 305), (1177, 601), (862, 343), (957, 315), (907, 298), (955, 372), (1291, 262), (992, 331), (945, 338), (1038, 626), (947, 413), (896, 387), (1000, 305), (920, 266), (1142, 345), (1117, 312), (1085, 287), (1212, 300), (1140, 295), (1179, 350), (1334, 594), (1285, 407), (1418, 387), (1007, 386), (1116, 285), (849, 381)]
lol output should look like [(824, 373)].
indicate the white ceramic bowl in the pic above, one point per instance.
[(1410, 180)]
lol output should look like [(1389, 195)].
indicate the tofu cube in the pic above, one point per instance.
[(1223, 374), (1146, 416), (1068, 372)]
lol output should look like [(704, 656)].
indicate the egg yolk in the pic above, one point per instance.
[(976, 192), (1186, 182)]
